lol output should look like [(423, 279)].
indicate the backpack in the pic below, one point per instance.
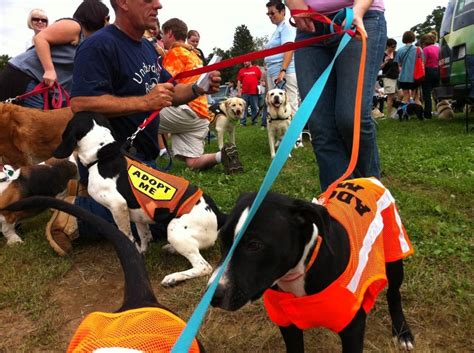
[(419, 71)]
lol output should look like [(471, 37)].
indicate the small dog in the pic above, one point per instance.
[(325, 265), (140, 306), (29, 136), (48, 179), (110, 184), (225, 116), (404, 110), (444, 109), (278, 117)]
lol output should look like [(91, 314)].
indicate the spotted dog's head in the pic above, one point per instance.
[(272, 245), (234, 108), (86, 132)]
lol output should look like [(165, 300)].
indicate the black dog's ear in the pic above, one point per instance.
[(69, 140), (308, 212)]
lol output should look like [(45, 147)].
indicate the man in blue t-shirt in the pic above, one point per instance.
[(117, 73)]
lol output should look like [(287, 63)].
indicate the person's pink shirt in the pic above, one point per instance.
[(431, 56), (327, 7)]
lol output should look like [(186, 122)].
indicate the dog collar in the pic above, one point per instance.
[(293, 276), (92, 164), (315, 253)]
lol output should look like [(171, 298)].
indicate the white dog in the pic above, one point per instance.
[(278, 118), (226, 115)]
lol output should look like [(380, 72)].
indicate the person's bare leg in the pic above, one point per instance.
[(205, 161)]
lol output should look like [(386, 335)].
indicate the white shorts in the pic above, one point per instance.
[(389, 85), (188, 131)]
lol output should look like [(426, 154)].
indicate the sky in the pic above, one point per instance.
[(216, 20)]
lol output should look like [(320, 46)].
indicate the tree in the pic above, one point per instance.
[(244, 43), (3, 61), (432, 22)]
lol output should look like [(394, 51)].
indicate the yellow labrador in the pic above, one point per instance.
[(226, 115), (278, 118)]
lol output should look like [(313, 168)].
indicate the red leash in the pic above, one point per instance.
[(43, 89), (240, 59)]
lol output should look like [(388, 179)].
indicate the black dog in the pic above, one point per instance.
[(280, 251), (154, 326), (405, 110)]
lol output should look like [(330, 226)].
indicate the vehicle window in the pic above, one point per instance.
[(464, 5), (464, 15), (447, 19)]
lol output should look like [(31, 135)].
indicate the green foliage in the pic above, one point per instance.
[(432, 22), (3, 61)]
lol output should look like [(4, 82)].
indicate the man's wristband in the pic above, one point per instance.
[(195, 89), (283, 70)]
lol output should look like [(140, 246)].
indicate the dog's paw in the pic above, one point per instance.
[(169, 248), (405, 341), (14, 240), (170, 280)]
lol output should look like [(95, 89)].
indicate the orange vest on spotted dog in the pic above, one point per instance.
[(368, 213), (162, 196)]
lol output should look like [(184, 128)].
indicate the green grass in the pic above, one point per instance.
[(427, 165)]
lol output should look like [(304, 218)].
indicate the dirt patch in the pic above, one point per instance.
[(13, 335), (95, 283)]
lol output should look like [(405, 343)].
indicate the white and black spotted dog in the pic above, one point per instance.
[(90, 135)]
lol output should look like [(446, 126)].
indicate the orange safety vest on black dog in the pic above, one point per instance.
[(368, 213), (162, 196), (145, 329)]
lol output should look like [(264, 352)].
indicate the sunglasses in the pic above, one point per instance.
[(37, 19), (269, 14)]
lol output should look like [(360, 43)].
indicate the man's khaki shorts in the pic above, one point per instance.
[(188, 131)]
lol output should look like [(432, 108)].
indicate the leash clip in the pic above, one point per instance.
[(9, 100)]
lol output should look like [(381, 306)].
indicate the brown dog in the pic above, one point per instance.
[(46, 179), (29, 136)]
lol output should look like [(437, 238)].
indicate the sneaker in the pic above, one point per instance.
[(377, 114), (230, 159), (61, 230)]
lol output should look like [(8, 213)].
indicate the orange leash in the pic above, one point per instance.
[(323, 199)]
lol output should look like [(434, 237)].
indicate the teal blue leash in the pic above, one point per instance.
[(299, 121)]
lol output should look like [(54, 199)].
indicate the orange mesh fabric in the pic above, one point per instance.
[(368, 213), (145, 329)]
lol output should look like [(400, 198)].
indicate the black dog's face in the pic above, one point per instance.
[(88, 131), (272, 245)]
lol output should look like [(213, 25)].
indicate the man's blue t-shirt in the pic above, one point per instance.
[(109, 62)]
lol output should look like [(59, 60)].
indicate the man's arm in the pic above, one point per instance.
[(183, 93), (159, 97)]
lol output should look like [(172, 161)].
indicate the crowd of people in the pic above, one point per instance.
[(398, 75), (122, 71)]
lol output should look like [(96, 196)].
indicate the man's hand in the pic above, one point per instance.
[(214, 82), (160, 96)]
